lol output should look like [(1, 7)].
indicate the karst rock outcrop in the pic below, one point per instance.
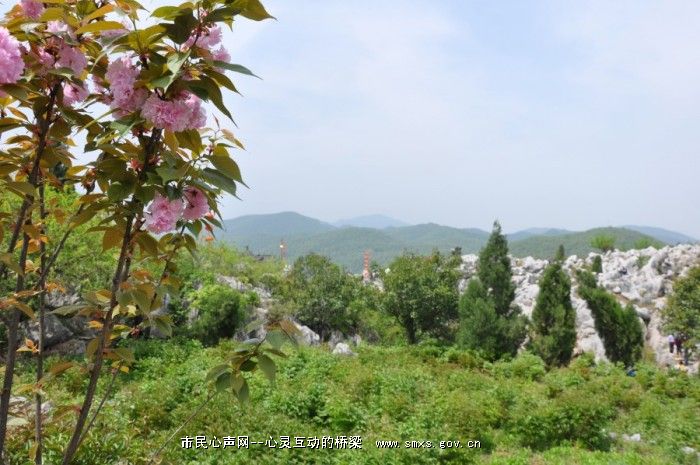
[(641, 277)]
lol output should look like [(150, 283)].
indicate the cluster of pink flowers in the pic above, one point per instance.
[(208, 40), (196, 204), (122, 76), (11, 63), (163, 214), (182, 113), (73, 93), (32, 8), (59, 28), (73, 58)]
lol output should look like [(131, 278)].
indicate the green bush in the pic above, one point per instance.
[(682, 313), (525, 366), (574, 418), (321, 294), (221, 312), (421, 293), (603, 242), (597, 265)]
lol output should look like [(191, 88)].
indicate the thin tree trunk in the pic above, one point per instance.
[(120, 275), (72, 447), (38, 430), (13, 320), (12, 330)]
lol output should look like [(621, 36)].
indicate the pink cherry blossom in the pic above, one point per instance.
[(162, 214), (221, 55), (208, 38), (46, 59), (59, 28), (73, 58), (198, 118), (196, 204), (32, 8), (74, 94), (122, 76), (179, 114), (11, 63)]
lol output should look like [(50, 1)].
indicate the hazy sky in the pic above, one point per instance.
[(569, 114), (565, 113)]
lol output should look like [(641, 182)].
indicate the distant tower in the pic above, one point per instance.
[(366, 275), (283, 251)]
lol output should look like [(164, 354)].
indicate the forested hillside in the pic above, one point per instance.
[(346, 245)]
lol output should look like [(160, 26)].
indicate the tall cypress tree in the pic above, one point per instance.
[(618, 326), (490, 322), (553, 330), (495, 273)]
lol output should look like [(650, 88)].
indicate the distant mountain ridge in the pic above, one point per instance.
[(371, 221), (664, 235), (346, 244)]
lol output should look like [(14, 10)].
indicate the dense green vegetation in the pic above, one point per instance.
[(421, 293), (433, 366), (346, 245), (520, 412), (682, 314), (578, 243)]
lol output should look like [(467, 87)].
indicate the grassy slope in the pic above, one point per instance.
[(383, 394)]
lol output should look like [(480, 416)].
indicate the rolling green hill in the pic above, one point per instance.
[(346, 245), (576, 243)]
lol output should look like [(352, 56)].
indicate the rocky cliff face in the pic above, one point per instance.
[(641, 277)]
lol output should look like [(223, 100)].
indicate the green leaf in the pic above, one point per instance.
[(68, 310), (166, 12), (60, 367), (267, 365), (182, 27), (124, 353), (224, 381), (243, 393), (24, 308), (99, 26), (217, 371), (248, 365), (226, 165), (7, 168), (113, 237), (235, 68), (276, 339), (118, 191), (18, 92), (169, 174), (164, 324), (206, 89), (219, 180), (255, 10), (22, 188), (100, 12)]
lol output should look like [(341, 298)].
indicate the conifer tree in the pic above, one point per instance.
[(561, 254), (553, 330), (495, 273), (489, 322), (619, 327)]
